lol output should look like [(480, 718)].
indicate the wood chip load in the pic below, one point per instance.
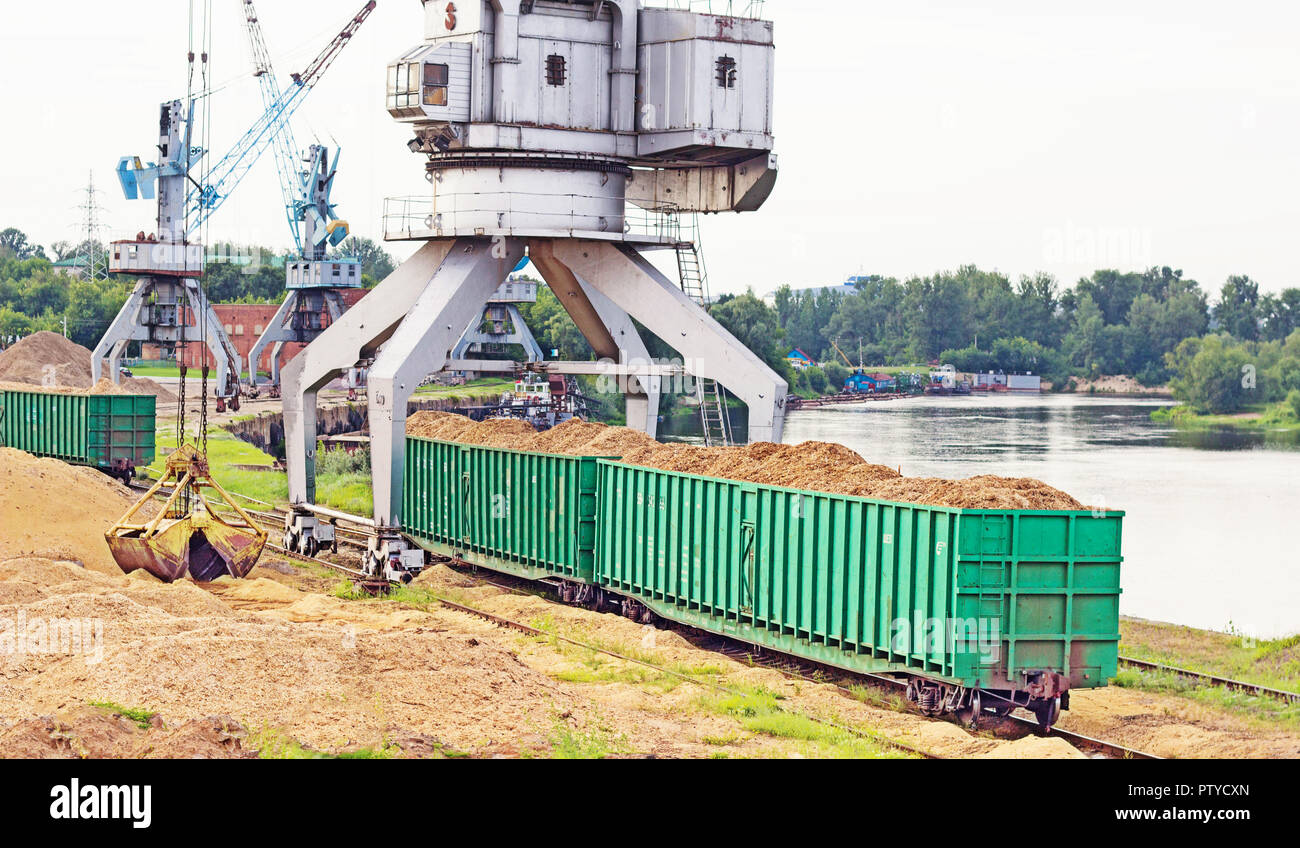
[(811, 466)]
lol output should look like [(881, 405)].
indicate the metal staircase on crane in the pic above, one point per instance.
[(709, 394)]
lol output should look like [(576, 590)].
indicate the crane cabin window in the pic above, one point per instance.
[(726, 72), (556, 68), (403, 85), (435, 84)]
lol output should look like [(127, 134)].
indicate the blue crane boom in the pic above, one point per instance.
[(205, 199), (285, 147)]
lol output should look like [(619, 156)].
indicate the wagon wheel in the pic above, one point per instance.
[(969, 715), (1047, 713)]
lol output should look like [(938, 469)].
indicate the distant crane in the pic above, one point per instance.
[(315, 286), (170, 263)]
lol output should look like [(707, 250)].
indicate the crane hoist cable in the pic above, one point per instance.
[(187, 536)]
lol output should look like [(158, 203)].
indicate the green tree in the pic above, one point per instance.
[(1209, 374), (757, 326), (13, 243), (376, 262), (1238, 309)]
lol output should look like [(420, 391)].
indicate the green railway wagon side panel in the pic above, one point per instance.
[(99, 430), (46, 424), (976, 597), (499, 507), (121, 428), (1050, 580), (859, 584)]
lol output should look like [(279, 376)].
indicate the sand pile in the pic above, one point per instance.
[(60, 511), (343, 677), (813, 466), (48, 362)]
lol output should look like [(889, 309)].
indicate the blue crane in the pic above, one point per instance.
[(167, 265), (270, 129)]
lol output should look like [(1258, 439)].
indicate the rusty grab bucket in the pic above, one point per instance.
[(187, 536)]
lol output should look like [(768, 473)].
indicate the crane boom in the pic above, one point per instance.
[(285, 147), (847, 361), (231, 170)]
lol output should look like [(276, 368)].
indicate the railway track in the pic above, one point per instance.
[(1212, 680)]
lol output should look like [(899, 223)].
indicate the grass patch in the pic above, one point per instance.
[(485, 387), (1259, 707), (1259, 416), (568, 743), (142, 717), (348, 491), (1274, 663), (272, 744), (759, 712), (1266, 662)]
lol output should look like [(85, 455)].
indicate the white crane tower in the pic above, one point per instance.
[(540, 124)]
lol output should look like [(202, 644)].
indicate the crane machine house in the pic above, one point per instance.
[(572, 133)]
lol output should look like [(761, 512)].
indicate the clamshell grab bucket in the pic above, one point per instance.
[(187, 536)]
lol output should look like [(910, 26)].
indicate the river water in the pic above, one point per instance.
[(1212, 518)]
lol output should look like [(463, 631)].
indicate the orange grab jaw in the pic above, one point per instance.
[(187, 536)]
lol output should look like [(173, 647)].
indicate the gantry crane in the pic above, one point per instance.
[(169, 264)]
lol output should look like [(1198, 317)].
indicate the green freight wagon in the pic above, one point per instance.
[(979, 608), (528, 514), (114, 433)]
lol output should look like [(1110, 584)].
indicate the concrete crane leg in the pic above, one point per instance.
[(354, 338), (420, 346)]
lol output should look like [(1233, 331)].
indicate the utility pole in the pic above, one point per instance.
[(96, 255)]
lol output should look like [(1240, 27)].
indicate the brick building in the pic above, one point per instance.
[(244, 324)]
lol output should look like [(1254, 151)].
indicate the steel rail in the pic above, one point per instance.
[(1214, 680)]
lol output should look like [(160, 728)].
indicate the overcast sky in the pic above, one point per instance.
[(1020, 135)]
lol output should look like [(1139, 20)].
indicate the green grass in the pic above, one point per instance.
[(568, 743), (142, 717), (1270, 416), (154, 371), (486, 387), (1261, 708), (759, 712), (1274, 663), (272, 744), (1267, 662), (348, 492)]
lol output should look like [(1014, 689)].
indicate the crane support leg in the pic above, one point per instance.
[(420, 346), (229, 364), (352, 339), (631, 282), (275, 331), (607, 328), (125, 327), (641, 394)]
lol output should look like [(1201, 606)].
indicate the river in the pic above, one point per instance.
[(1210, 532)]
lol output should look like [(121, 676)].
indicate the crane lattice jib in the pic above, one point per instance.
[(285, 147), (232, 169)]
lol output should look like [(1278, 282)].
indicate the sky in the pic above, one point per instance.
[(913, 137)]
